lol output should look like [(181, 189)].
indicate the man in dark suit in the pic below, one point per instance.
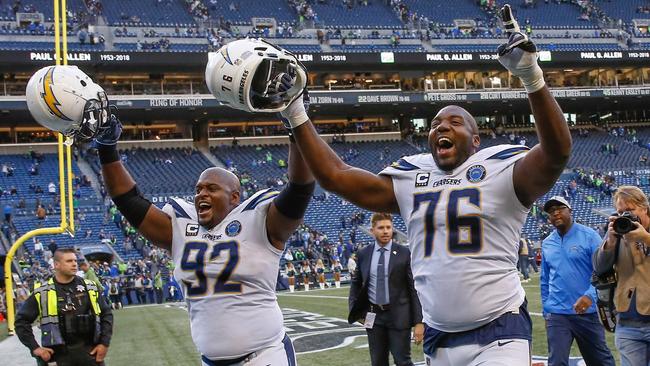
[(383, 298)]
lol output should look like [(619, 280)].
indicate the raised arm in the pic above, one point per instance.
[(536, 173), (150, 221), (364, 189), (288, 208)]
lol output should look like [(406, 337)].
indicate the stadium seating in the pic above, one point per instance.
[(174, 47), (302, 48), (323, 216), (48, 171), (48, 46), (165, 171), (93, 220), (360, 48), (375, 15), (166, 13), (625, 10), (576, 47), (41, 6), (245, 10), (443, 14), (551, 15)]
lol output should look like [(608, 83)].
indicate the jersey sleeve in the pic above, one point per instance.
[(179, 208), (254, 212), (501, 159)]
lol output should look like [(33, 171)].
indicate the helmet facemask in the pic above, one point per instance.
[(262, 95), (95, 115)]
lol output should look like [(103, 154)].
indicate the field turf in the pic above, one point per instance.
[(159, 335)]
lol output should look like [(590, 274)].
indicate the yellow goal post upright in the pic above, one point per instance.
[(65, 170)]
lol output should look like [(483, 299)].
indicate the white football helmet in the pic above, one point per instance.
[(65, 99), (243, 75)]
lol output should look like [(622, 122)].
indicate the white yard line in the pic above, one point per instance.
[(12, 349)]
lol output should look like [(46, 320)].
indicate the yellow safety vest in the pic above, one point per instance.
[(48, 311)]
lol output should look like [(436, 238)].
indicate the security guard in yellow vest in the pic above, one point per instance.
[(75, 319)]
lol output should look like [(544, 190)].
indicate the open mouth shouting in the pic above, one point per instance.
[(444, 147), (204, 209)]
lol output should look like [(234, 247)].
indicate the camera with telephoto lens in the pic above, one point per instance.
[(624, 223)]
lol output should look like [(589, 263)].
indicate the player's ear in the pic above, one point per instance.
[(476, 141), (235, 197)]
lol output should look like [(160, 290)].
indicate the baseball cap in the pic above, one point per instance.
[(555, 201)]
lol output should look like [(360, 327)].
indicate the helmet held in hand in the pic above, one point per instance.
[(247, 74), (66, 100)]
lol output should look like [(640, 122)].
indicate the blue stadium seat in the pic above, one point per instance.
[(375, 15), (278, 9), (48, 46), (377, 48), (167, 13)]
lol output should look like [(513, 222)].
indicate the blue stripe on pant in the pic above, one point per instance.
[(288, 348), (562, 329)]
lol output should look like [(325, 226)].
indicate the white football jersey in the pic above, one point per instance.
[(228, 275), (463, 229)]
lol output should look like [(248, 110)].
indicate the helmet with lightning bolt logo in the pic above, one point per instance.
[(66, 100)]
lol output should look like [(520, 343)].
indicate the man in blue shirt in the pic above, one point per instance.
[(568, 298)]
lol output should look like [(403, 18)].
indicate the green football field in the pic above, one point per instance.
[(159, 335)]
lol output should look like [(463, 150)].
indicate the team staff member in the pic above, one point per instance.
[(76, 321), (568, 298), (383, 296), (632, 295)]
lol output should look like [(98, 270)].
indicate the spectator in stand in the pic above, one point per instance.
[(8, 210), (38, 247), (41, 214), (51, 188)]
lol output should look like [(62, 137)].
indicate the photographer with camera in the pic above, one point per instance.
[(626, 250)]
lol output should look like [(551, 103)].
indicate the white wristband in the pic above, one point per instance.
[(295, 113), (297, 119), (534, 86)]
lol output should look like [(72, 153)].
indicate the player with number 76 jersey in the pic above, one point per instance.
[(464, 209)]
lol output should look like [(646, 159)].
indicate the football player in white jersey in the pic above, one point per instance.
[(226, 253), (464, 209)]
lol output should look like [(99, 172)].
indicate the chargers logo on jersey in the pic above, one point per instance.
[(233, 229), (476, 173)]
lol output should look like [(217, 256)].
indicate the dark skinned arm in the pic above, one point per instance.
[(156, 226), (538, 171), (278, 226), (364, 189)]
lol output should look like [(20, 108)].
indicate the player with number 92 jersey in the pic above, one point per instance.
[(233, 268)]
